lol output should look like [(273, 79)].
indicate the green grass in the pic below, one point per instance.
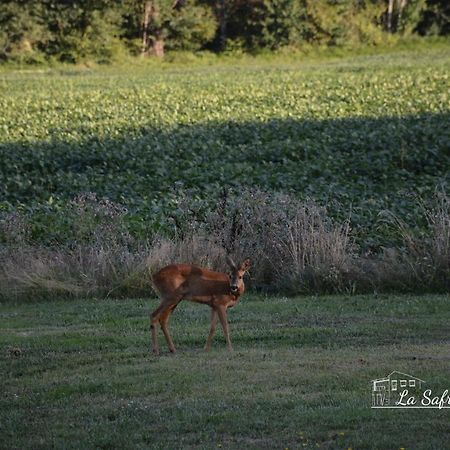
[(365, 133), (80, 374)]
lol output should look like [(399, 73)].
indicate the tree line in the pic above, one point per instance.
[(106, 30)]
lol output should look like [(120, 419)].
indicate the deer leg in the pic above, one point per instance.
[(212, 329), (222, 311), (154, 318), (163, 321)]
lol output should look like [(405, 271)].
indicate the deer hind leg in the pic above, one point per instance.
[(157, 316), (212, 329), (154, 318), (222, 311), (163, 321)]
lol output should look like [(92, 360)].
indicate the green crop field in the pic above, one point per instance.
[(363, 135), (80, 374)]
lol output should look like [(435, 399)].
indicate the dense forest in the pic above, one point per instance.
[(33, 31)]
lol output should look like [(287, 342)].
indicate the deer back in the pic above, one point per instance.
[(190, 281)]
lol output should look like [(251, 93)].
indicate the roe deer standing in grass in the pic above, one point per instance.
[(178, 282)]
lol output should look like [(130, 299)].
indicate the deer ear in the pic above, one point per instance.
[(231, 262), (246, 264)]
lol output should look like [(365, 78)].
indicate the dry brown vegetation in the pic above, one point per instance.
[(295, 246)]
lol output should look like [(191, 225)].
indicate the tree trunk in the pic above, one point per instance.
[(401, 6), (152, 44), (389, 15), (223, 25), (158, 47), (145, 22)]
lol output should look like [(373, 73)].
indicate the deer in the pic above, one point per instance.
[(220, 291)]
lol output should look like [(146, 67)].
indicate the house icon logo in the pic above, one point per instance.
[(388, 392)]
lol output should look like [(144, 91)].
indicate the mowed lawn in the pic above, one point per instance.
[(80, 374)]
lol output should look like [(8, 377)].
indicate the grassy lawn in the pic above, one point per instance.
[(79, 374)]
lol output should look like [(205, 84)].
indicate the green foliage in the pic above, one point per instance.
[(435, 18), (106, 31), (190, 28), (70, 31), (80, 31), (277, 23), (411, 16), (347, 23), (23, 30), (97, 39)]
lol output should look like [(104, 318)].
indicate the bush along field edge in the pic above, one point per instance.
[(296, 247)]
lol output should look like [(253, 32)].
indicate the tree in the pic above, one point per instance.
[(277, 23), (102, 30), (435, 19), (152, 30), (179, 24), (23, 29)]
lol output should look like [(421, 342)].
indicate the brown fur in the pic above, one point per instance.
[(178, 282)]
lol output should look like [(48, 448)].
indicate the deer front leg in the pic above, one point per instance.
[(222, 311), (212, 329)]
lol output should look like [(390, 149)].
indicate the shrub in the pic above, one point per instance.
[(191, 28), (297, 246), (294, 245), (421, 263)]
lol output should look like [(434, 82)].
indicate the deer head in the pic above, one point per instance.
[(237, 275)]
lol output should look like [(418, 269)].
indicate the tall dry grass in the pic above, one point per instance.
[(295, 248), (82, 271), (421, 263)]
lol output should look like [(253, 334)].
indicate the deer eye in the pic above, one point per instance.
[(229, 276)]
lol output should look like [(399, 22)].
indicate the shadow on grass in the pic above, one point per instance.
[(364, 163)]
